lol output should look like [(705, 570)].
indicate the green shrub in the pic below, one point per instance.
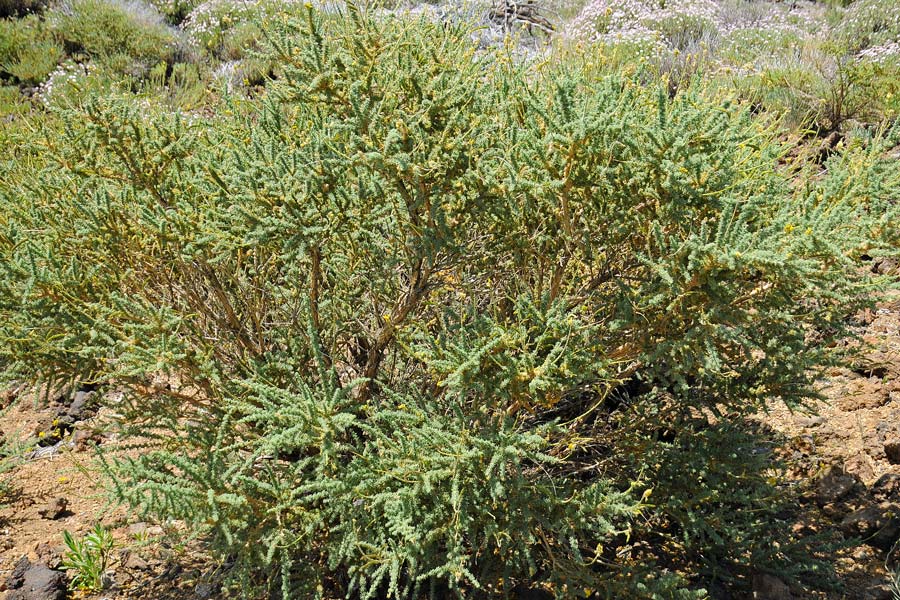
[(227, 28), (823, 88), (10, 100), (11, 451), (119, 32), (175, 11), (747, 46), (410, 305), (28, 52), (184, 85), (13, 446), (867, 23)]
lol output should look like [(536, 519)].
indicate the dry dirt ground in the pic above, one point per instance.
[(57, 489), (850, 446), (850, 450)]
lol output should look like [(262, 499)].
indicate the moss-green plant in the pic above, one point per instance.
[(867, 23), (822, 88), (227, 30)]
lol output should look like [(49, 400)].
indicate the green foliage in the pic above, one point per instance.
[(422, 310), (28, 52), (868, 23), (117, 32), (10, 100), (720, 499), (88, 558), (823, 88), (184, 85), (175, 11), (228, 29)]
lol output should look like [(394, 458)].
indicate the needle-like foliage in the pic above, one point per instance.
[(403, 326)]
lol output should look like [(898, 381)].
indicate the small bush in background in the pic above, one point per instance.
[(821, 67), (118, 32), (227, 28), (28, 50)]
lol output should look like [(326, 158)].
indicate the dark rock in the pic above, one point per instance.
[(205, 591), (885, 266), (172, 572), (108, 580), (132, 561), (17, 577), (837, 485), (769, 587), (836, 511), (886, 488), (55, 509), (40, 582), (52, 430), (82, 406), (878, 591), (877, 525), (892, 451)]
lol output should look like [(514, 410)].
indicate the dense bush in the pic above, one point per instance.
[(426, 320), (227, 28), (28, 51), (73, 37), (117, 31)]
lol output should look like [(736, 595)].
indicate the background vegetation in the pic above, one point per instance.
[(441, 316)]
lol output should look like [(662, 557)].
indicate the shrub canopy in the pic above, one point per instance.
[(424, 318)]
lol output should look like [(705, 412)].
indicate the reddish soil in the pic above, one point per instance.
[(145, 563)]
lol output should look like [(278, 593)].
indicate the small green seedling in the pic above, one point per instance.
[(88, 558)]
